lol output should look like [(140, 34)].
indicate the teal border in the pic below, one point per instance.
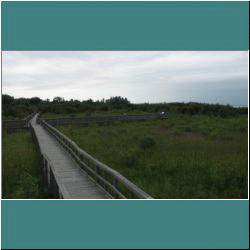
[(125, 25), (144, 224)]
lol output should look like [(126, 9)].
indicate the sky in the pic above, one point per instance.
[(140, 76)]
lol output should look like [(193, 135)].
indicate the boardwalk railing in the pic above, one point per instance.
[(28, 118), (112, 181), (47, 169), (15, 124), (101, 119)]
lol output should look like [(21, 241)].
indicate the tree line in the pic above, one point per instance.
[(21, 107)]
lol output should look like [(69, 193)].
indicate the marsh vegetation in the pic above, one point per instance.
[(201, 151), (21, 173), (185, 157)]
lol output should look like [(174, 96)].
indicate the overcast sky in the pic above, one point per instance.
[(140, 76)]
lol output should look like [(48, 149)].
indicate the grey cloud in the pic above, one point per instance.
[(157, 76)]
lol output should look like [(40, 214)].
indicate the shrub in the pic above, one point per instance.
[(128, 159), (147, 142), (188, 129), (104, 108)]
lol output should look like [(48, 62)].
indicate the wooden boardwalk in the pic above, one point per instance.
[(73, 182)]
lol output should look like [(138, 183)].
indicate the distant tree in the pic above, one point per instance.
[(144, 107), (35, 100), (58, 99), (89, 101), (103, 107), (7, 100), (117, 100), (22, 101)]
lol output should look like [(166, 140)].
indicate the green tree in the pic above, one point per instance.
[(58, 99), (7, 100)]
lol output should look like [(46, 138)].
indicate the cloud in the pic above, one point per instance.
[(141, 76)]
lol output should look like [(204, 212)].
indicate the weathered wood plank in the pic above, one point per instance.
[(73, 182), (68, 162), (124, 187)]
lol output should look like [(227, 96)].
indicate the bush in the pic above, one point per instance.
[(128, 159), (188, 129), (144, 107), (147, 142), (104, 108)]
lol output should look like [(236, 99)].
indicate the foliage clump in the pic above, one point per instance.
[(147, 142), (22, 176), (128, 159), (193, 157), (21, 107)]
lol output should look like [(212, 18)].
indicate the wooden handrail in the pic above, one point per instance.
[(20, 123), (101, 119), (120, 185)]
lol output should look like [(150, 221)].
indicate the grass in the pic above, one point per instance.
[(185, 157), (10, 117), (21, 173)]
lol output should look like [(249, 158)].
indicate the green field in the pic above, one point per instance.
[(21, 173), (184, 157)]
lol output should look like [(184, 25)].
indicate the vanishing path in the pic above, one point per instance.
[(73, 182)]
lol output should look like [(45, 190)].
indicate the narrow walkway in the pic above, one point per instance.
[(74, 183)]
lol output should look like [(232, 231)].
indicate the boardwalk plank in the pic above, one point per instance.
[(73, 182)]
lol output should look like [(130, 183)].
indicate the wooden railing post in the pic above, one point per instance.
[(100, 172)]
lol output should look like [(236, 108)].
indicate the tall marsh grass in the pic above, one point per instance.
[(185, 157), (21, 173)]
